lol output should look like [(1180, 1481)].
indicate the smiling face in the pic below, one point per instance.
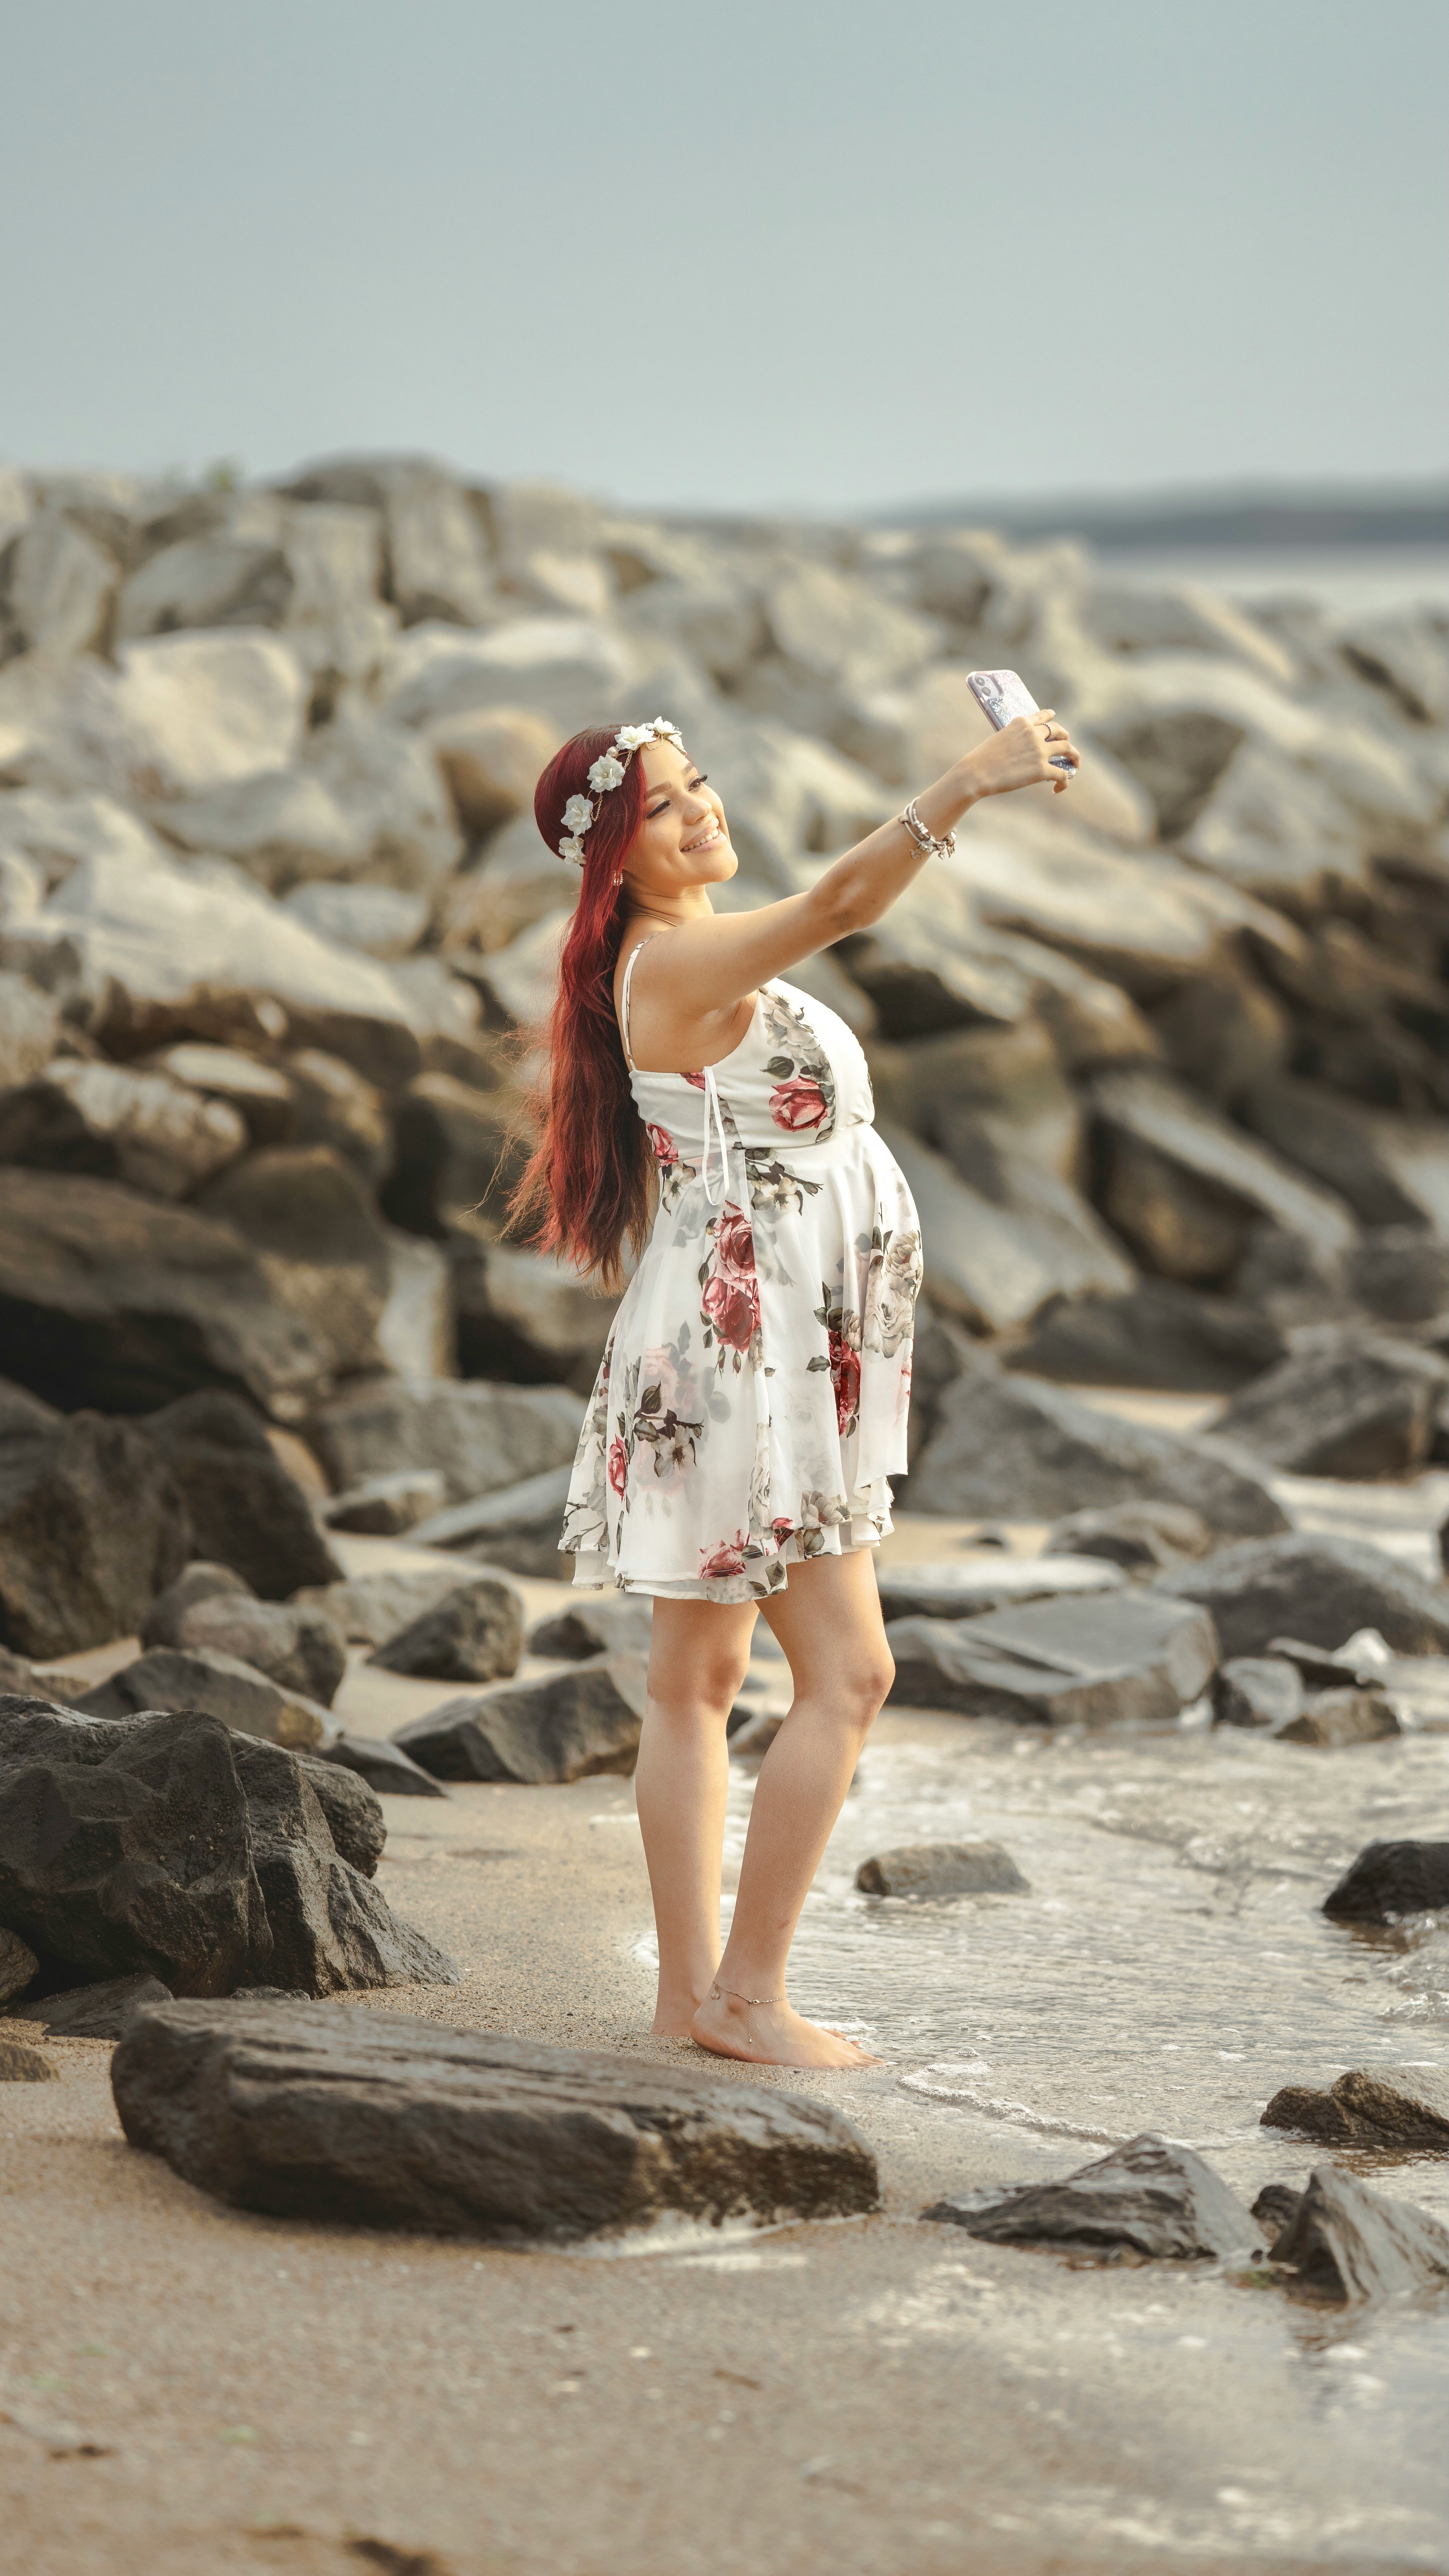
[(684, 839)]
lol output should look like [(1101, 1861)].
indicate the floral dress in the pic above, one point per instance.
[(752, 1400)]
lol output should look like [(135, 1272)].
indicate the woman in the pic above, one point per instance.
[(751, 1405)]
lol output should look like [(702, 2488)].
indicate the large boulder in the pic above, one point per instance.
[(1095, 1662), (173, 1846), (480, 1437), (374, 2119), (947, 1590), (92, 1526), (219, 1685), (383, 1766), (599, 1623), (246, 1511), (1391, 1170), (1154, 2198), (261, 1094), (1347, 2242), (56, 589), (567, 1726), (454, 1150), (1001, 1247), (474, 1634), (1342, 1403), (1017, 1448), (1184, 1186), (1319, 1589), (522, 1316), (1388, 1879), (136, 1127), (313, 1227), (29, 1021), (1157, 1334)]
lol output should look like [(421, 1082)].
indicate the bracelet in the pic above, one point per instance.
[(929, 847)]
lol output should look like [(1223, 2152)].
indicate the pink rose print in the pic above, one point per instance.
[(732, 1306), (618, 1466), (695, 1080), (665, 1149), (780, 1530), (734, 1244), (845, 1378), (797, 1104), (727, 1558)]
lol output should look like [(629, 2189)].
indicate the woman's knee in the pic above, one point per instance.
[(705, 1686), (870, 1684)]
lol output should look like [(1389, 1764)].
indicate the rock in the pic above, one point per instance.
[(1134, 1534), (1019, 1448), (334, 1106), (1389, 1169), (1154, 2199), (92, 1526), (1342, 1403), (1402, 651), (518, 1529), (1348, 2242), (1399, 1274), (22, 2065), (1095, 1662), (332, 1930), (17, 1965), (1398, 2106), (1275, 2207), (280, 826), (1320, 1589), (29, 1027), (996, 1263), (260, 1094), (379, 2120), (566, 1727), (564, 669), (1184, 1185), (111, 1298), (1350, 1668), (1338, 1717), (98, 2011), (523, 1316), (298, 1649), (388, 1506), (199, 1581), (1156, 1334), (942, 1869), (201, 1678), (437, 555), (474, 1634), (1257, 1690), (480, 1438), (373, 1607), (57, 587), (351, 1806), (1273, 828), (492, 758), (211, 581), (382, 1765), (952, 1591), (1391, 1879), (314, 1230), (455, 1151), (381, 920), (1224, 1033), (595, 1624), (518, 983), (246, 1511)]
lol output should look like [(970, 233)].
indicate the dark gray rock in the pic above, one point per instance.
[(95, 2012), (1151, 2198), (600, 1623), (1097, 1662), (1336, 1718), (474, 1634), (17, 1676), (480, 1438), (298, 1649), (22, 2065), (1017, 1448), (1382, 2106), (518, 1529), (1142, 1536), (312, 1222), (145, 1857), (367, 1609), (332, 1931), (246, 1511), (1319, 1589), (352, 1808), (173, 1677), (1256, 1690), (388, 1506), (199, 1581), (1158, 1334), (566, 1727), (18, 1965), (1347, 2242), (1388, 1880), (1275, 2208), (942, 1869), (1388, 1168), (383, 1765), (454, 1148), (92, 1526), (1342, 1404), (942, 1590), (374, 2119)]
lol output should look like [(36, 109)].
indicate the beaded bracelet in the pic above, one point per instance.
[(925, 842)]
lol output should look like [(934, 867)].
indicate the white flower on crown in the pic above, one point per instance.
[(578, 814), (669, 732), (607, 772), (573, 851), (633, 737)]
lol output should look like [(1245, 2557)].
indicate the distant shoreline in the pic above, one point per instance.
[(1215, 522)]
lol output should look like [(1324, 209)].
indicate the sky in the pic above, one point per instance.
[(798, 254)]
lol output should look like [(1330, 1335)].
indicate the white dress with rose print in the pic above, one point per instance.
[(752, 1400)]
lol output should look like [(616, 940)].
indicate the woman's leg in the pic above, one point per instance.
[(829, 1623), (698, 1656)]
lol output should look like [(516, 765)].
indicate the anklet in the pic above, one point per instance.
[(746, 1999)]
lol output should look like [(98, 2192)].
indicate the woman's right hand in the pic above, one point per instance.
[(1022, 755)]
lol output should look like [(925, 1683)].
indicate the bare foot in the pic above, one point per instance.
[(771, 2035)]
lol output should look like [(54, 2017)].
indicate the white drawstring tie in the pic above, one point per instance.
[(714, 1126)]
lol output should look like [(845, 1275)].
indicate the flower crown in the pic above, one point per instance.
[(608, 771)]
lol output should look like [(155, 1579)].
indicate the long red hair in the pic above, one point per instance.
[(585, 1191)]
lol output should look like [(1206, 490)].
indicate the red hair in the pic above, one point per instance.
[(585, 1191)]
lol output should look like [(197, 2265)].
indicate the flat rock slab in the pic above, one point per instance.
[(22, 2065), (1152, 2198), (1318, 1589), (1139, 1535), (942, 1869), (1390, 2106), (1348, 2242), (568, 1726), (378, 2120), (94, 2012), (1097, 1661), (1390, 1879), (518, 1528), (947, 1591), (199, 1677), (383, 1765)]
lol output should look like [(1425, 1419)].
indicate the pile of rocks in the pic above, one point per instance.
[(1163, 1057)]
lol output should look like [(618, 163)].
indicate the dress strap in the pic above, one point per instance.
[(624, 998)]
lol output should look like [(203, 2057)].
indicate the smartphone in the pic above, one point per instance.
[(1004, 695)]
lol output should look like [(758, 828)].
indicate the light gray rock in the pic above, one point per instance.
[(1274, 828), (1138, 1535), (191, 711), (56, 589), (1227, 1167), (945, 1590), (390, 786), (299, 1649), (1257, 1690), (480, 1438), (281, 826), (567, 670), (381, 920), (1096, 1662), (217, 1685), (996, 1264), (1159, 2200), (1403, 652), (1334, 1718), (199, 1581), (568, 1726), (1320, 1589), (595, 1624), (212, 580), (314, 1230), (261, 1094), (29, 1027), (518, 1527), (142, 1128), (388, 1506), (942, 1869), (370, 1608), (492, 758), (1342, 1403), (334, 1105)]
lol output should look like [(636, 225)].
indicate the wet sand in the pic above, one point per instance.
[(186, 2387)]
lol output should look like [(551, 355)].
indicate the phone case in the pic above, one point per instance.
[(1002, 697)]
